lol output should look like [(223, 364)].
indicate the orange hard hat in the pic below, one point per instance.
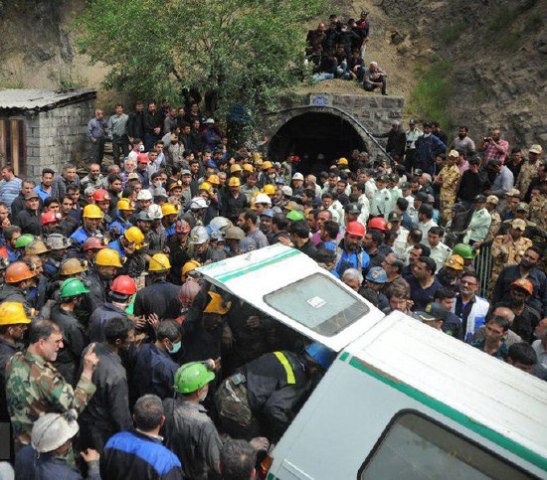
[(19, 271)]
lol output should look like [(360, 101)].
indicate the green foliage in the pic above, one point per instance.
[(237, 51), (429, 99)]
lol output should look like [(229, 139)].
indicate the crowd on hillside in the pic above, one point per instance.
[(338, 51), (107, 329)]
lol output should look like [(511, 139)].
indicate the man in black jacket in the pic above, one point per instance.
[(135, 124), (471, 184), (264, 396), (139, 454), (396, 141), (153, 123), (30, 219), (108, 411)]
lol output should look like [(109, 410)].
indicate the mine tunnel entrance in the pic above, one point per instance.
[(311, 134)]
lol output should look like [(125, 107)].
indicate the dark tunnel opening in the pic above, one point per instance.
[(311, 134)]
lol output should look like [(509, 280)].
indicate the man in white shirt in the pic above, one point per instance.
[(425, 219), (439, 251)]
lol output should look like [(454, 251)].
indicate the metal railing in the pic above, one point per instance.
[(483, 266)]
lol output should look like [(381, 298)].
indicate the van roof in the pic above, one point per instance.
[(457, 380)]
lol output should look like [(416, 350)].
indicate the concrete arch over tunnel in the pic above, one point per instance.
[(311, 131)]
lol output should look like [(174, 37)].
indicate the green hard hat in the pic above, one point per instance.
[(190, 377), (24, 240), (464, 251), (295, 216), (73, 287)]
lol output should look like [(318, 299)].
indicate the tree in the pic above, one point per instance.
[(233, 51)]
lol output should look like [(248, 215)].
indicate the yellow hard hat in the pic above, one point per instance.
[(159, 263), (214, 180), (108, 257), (169, 209), (269, 189), (134, 235), (257, 156), (72, 266), (342, 161), (234, 182), (36, 247), (125, 205), (235, 168), (13, 313), (206, 186), (267, 164), (92, 211), (217, 305), (248, 167), (189, 266)]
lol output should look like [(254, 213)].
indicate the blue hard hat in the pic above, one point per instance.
[(268, 213), (322, 355), (376, 275)]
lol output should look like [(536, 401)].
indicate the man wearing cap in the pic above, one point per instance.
[(479, 225), (529, 168), (508, 249), (433, 315), (448, 179), (526, 318), (381, 200), (495, 218), (527, 268), (297, 183)]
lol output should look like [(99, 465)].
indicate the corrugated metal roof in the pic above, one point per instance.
[(27, 99)]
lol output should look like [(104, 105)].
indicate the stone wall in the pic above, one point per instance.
[(370, 112), (58, 136)]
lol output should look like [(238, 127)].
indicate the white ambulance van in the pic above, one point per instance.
[(402, 401)]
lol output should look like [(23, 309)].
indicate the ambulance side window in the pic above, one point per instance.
[(415, 447)]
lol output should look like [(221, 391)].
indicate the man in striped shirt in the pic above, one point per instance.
[(10, 186)]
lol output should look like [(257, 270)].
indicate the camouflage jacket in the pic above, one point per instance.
[(34, 386)]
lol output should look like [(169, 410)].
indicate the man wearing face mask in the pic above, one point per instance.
[(155, 369), (108, 411), (74, 337), (526, 317)]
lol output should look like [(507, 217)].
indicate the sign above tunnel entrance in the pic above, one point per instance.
[(320, 100)]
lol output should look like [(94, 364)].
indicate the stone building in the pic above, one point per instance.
[(42, 128)]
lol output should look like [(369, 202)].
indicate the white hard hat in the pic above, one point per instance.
[(198, 235), (198, 202), (52, 430), (263, 198), (286, 190), (154, 212), (220, 223), (144, 194)]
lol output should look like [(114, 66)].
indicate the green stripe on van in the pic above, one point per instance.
[(486, 432), (256, 266)]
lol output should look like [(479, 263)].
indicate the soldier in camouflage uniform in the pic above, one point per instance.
[(491, 203), (529, 169), (538, 208), (508, 249), (449, 179), (34, 386)]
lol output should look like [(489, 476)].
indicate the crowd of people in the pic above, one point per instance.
[(108, 331), (338, 51)]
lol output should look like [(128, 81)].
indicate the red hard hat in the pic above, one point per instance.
[(143, 157), (101, 195), (124, 285), (93, 243), (49, 217), (377, 223), (356, 228)]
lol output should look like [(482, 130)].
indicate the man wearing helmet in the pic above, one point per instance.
[(350, 252), (92, 219)]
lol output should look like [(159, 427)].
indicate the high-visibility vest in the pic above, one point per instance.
[(287, 366)]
